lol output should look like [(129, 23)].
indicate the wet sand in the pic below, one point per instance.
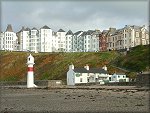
[(73, 100)]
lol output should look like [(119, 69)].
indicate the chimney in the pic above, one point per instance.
[(86, 67), (71, 67), (105, 68)]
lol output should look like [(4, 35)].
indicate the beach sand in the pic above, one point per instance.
[(73, 100)]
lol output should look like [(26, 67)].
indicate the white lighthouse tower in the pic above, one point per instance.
[(30, 74)]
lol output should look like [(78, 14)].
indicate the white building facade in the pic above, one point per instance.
[(9, 39), (34, 45), (92, 75), (54, 42), (69, 41), (86, 41), (45, 41), (116, 77), (75, 41), (24, 39), (61, 40), (85, 75), (2, 41)]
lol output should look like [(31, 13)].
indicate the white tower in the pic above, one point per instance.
[(30, 76)]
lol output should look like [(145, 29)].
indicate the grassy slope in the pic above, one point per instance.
[(55, 66), (138, 59), (51, 66)]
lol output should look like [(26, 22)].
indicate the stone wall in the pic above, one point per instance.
[(109, 84), (87, 84), (121, 84), (143, 79), (40, 83)]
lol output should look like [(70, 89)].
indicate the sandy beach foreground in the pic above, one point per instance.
[(74, 100)]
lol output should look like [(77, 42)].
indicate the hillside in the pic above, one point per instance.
[(51, 65), (137, 60), (55, 65)]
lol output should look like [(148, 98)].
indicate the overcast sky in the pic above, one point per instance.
[(74, 15)]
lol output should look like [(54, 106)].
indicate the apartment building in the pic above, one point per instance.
[(75, 41), (45, 39), (86, 41), (24, 39), (34, 45), (140, 35), (95, 41), (103, 40), (69, 41), (2, 41), (8, 39), (61, 40), (54, 42), (127, 37), (110, 39)]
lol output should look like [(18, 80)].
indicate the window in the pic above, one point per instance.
[(143, 35), (125, 42), (137, 34), (77, 74), (118, 76), (147, 36), (116, 38), (109, 78), (80, 79), (88, 80)]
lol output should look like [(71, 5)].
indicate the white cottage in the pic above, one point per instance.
[(119, 77), (86, 75)]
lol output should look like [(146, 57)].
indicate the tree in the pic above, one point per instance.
[(132, 75)]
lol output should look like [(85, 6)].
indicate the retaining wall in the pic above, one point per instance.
[(43, 83)]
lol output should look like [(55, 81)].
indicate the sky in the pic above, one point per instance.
[(74, 15)]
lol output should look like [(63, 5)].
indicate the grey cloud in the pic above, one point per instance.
[(74, 15)]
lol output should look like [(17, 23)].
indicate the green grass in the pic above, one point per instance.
[(51, 65), (138, 59), (55, 65)]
